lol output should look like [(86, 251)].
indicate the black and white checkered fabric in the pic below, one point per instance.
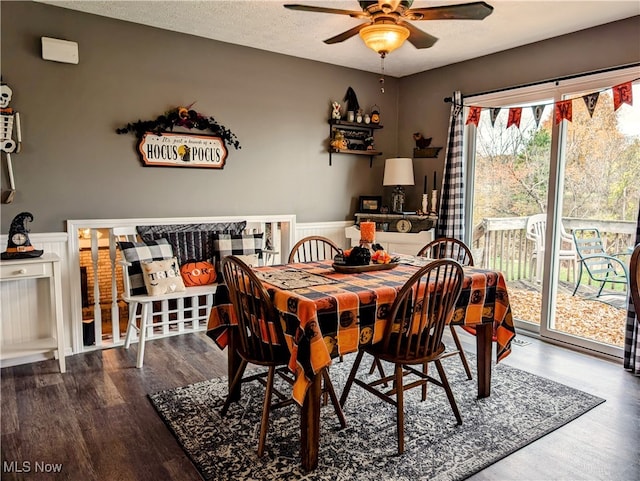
[(190, 242), (227, 227), (136, 252), (236, 244), (451, 215), (632, 331)]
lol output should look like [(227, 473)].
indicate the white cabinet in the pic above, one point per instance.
[(394, 242), (47, 269)]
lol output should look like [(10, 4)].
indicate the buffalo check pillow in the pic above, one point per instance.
[(136, 252), (237, 245)]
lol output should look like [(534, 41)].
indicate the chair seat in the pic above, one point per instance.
[(379, 353), (562, 253)]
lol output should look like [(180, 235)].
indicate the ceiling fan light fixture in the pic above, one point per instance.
[(383, 38)]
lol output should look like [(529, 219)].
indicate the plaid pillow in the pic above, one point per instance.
[(136, 252), (236, 244)]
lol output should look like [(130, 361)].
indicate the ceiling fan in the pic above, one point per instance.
[(388, 25)]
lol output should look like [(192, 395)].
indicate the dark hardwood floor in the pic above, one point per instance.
[(98, 423)]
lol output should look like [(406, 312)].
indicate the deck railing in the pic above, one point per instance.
[(500, 242)]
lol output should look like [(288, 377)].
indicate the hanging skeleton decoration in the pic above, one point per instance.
[(9, 123)]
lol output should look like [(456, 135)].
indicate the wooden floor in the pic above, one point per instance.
[(98, 423)]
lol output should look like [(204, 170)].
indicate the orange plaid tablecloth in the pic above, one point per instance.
[(328, 320)]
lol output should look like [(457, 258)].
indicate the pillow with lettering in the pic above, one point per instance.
[(136, 252), (162, 277)]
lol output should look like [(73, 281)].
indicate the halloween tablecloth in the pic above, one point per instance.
[(323, 321)]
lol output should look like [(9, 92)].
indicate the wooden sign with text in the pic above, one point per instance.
[(182, 150)]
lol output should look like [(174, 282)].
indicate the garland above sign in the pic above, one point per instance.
[(182, 149)]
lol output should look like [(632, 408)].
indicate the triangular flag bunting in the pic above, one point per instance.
[(474, 115), (515, 114), (494, 115), (622, 94), (537, 113), (564, 111), (590, 101)]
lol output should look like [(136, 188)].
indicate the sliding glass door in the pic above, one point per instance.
[(545, 190)]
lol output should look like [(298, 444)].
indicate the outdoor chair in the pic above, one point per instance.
[(536, 231), (599, 266), (413, 337), (313, 248), (261, 341)]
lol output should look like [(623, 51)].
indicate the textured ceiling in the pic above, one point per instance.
[(267, 25)]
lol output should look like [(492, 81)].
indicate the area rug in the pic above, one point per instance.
[(522, 408)]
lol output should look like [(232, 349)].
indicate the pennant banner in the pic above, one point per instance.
[(622, 94), (564, 110), (474, 115), (590, 101), (494, 114), (537, 113), (515, 114)]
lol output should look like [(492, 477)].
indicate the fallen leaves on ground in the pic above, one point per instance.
[(586, 318)]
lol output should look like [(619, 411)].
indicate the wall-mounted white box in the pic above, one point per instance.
[(59, 50)]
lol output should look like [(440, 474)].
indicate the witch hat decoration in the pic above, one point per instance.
[(18, 245), (351, 99)]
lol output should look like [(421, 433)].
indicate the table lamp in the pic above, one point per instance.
[(398, 172)]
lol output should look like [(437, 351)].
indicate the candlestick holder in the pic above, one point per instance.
[(425, 203), (434, 201)]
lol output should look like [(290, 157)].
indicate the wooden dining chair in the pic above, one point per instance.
[(450, 248), (261, 341), (313, 248), (413, 337)]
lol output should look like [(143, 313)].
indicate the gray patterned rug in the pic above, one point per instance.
[(522, 408)]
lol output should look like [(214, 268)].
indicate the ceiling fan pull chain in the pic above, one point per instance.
[(382, 76)]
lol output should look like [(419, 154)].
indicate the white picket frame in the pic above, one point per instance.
[(284, 224)]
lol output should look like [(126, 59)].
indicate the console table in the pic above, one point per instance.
[(394, 242), (389, 222), (44, 267)]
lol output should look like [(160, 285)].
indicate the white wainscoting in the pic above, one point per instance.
[(24, 305), (332, 230)]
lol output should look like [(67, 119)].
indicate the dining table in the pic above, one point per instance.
[(328, 311)]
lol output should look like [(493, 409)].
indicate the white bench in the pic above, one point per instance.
[(201, 300)]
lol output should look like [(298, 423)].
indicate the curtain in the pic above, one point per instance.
[(451, 212), (631, 332)]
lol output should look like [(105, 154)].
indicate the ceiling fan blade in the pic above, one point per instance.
[(418, 38), (463, 11), (310, 8), (345, 35)]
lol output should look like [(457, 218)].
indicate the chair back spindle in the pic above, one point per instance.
[(313, 248), (423, 307), (260, 334), (448, 248)]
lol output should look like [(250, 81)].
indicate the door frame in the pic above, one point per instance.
[(556, 90)]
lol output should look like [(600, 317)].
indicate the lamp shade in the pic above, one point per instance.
[(398, 172), (384, 37)]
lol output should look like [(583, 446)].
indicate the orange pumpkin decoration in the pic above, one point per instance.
[(197, 273)]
